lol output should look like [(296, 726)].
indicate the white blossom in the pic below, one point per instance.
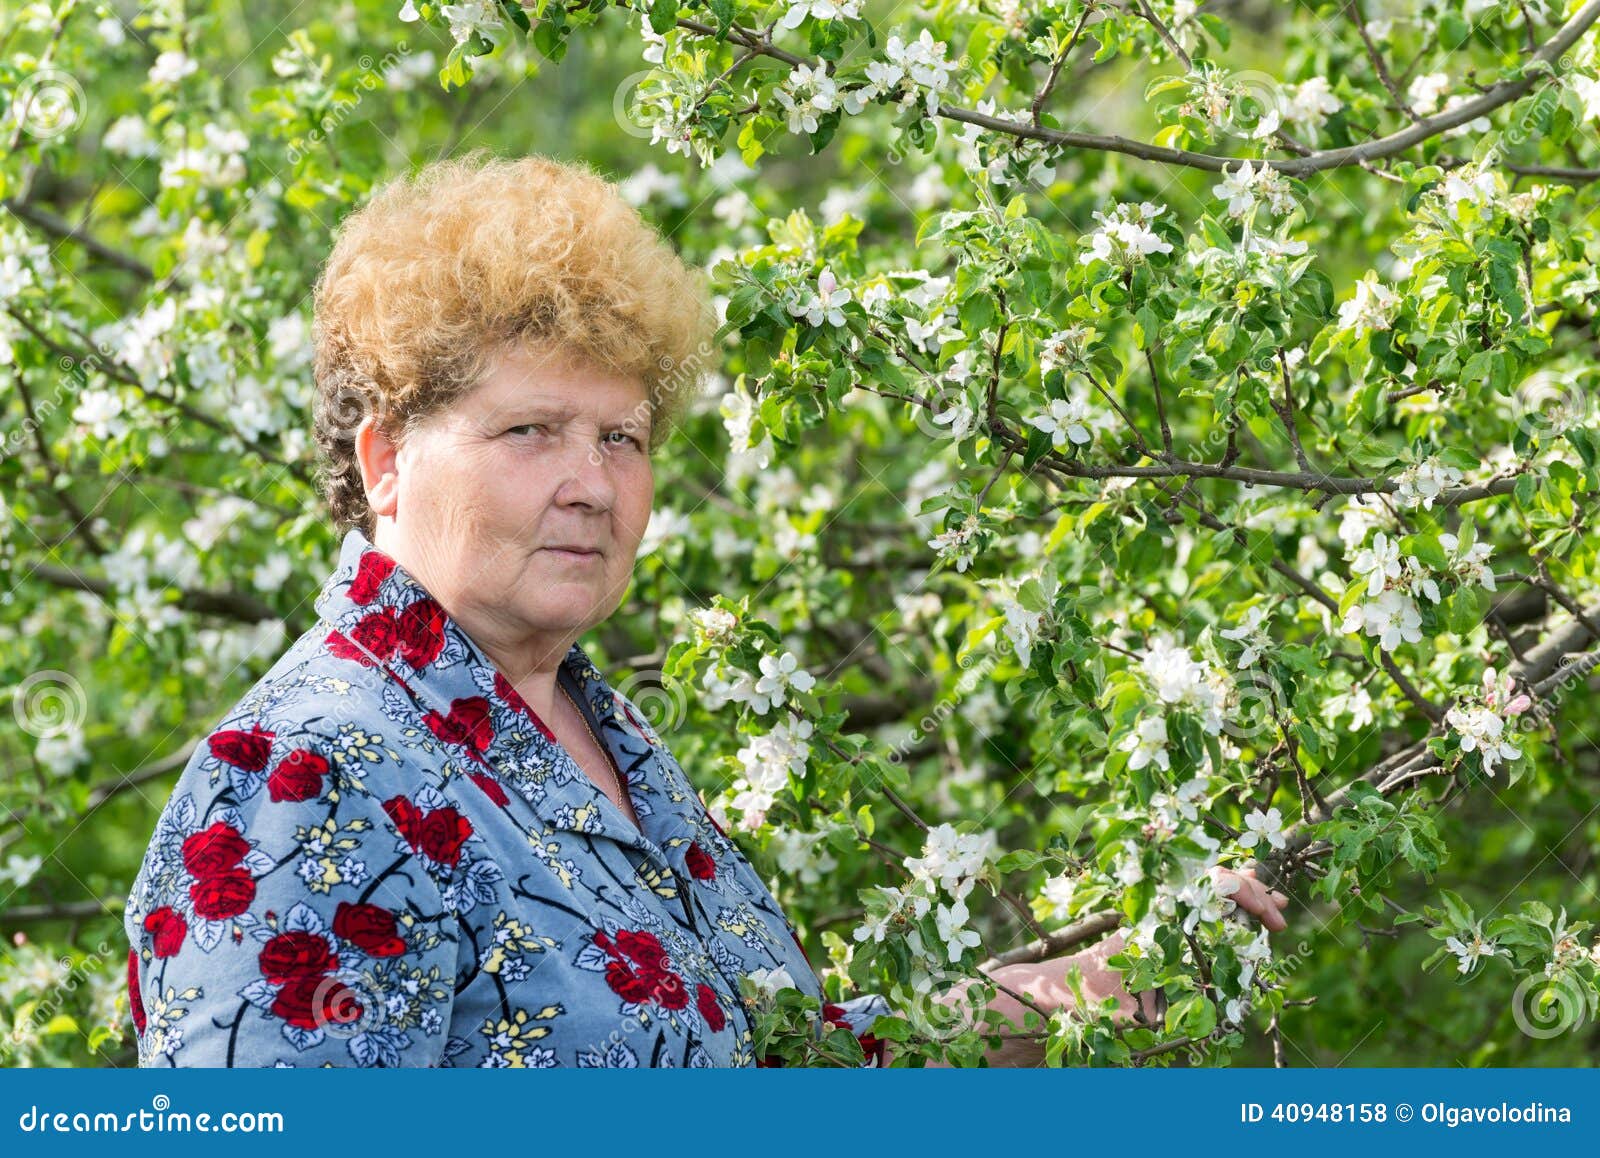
[(1426, 90), (929, 336), (911, 903), (951, 922), (1360, 515), (1169, 809), (1247, 186), (1356, 703), (821, 10), (1311, 103), (804, 93), (62, 751), (1204, 903), (1372, 308), (909, 69), (1587, 89), (19, 870), (1124, 237), (1379, 563), (1147, 743), (957, 543), (1252, 954), (1470, 948), (130, 136), (959, 416), (1392, 617), (480, 16), (171, 67), (825, 304), (1178, 678), (714, 624), (100, 411), (778, 675), (1420, 485), (1068, 420), (1128, 870), (1471, 185), (1482, 728), (1259, 826), (768, 761), (1058, 892), (802, 856), (1252, 633), (1064, 349), (952, 860), (769, 981)]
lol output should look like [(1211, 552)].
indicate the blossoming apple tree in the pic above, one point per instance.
[(1148, 435)]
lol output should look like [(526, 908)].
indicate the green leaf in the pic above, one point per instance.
[(663, 15)]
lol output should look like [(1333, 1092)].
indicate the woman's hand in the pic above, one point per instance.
[(1252, 896), (1044, 983)]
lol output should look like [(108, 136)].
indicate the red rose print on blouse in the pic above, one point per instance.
[(438, 834), (300, 961), (706, 1003), (503, 689), (312, 1002), (298, 776), (135, 998), (420, 632), (223, 896), (467, 724), (223, 888), (415, 633), (491, 788), (378, 632), (637, 970), (296, 954), (701, 866), (247, 750), (374, 569), (167, 928), (214, 850), (370, 928)]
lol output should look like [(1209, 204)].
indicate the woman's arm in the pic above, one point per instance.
[(1044, 983)]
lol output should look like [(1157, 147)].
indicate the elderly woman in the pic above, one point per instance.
[(432, 834)]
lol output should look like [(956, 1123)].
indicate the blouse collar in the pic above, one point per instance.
[(381, 616)]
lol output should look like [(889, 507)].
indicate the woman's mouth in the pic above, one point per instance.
[(574, 554)]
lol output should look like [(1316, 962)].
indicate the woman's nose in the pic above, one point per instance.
[(586, 474)]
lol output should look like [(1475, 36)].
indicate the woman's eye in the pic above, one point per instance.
[(526, 427), (626, 438)]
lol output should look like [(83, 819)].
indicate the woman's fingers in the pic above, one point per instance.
[(1255, 898), (1264, 909)]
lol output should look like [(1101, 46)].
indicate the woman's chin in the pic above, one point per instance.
[(564, 607)]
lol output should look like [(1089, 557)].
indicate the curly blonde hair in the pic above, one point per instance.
[(439, 274)]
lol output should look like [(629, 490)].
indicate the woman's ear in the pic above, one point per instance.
[(378, 455)]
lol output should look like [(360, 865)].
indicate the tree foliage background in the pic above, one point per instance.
[(1163, 431)]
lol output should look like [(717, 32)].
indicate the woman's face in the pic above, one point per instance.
[(521, 507)]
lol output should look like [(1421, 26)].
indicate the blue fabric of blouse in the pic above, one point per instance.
[(382, 857)]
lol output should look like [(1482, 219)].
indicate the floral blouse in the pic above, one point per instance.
[(383, 857)]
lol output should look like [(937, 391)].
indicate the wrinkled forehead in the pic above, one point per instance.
[(525, 385)]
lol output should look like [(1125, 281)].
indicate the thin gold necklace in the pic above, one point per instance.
[(616, 776)]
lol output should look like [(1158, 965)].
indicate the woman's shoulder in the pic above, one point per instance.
[(311, 730)]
